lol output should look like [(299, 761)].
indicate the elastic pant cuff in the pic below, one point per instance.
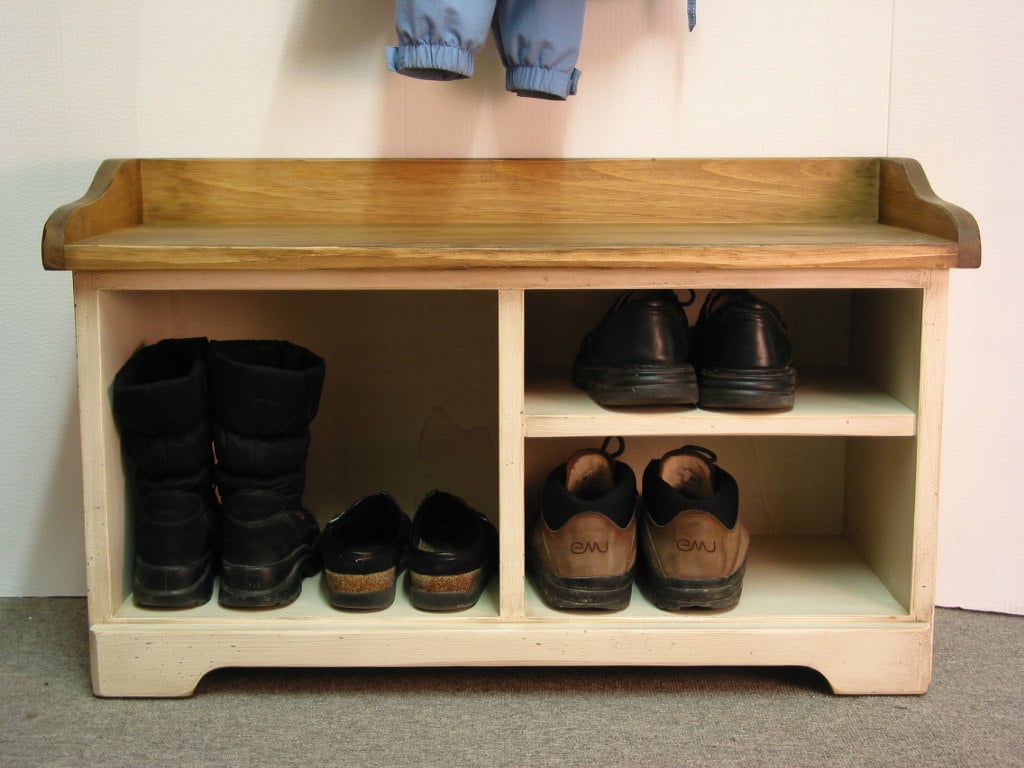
[(428, 61), (541, 83)]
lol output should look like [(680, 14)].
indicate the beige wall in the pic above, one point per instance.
[(934, 79)]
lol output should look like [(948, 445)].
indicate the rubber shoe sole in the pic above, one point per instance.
[(747, 389), (361, 592), (604, 593), (640, 385), (448, 592), (680, 594), (590, 594)]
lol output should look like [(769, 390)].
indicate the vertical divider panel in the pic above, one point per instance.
[(511, 449), (929, 443), (881, 492), (103, 552)]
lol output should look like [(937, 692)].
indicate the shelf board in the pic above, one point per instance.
[(313, 606), (828, 402), (788, 578)]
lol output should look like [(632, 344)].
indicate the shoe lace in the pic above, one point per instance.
[(690, 299), (617, 453), (698, 451)]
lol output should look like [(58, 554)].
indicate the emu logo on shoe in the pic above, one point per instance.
[(583, 547), (695, 545)]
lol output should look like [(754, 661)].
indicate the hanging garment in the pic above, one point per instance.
[(538, 41)]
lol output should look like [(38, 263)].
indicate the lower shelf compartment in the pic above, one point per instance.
[(788, 578)]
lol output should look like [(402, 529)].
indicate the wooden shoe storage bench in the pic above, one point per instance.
[(448, 298)]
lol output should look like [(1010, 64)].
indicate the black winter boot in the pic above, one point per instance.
[(263, 397), (161, 409)]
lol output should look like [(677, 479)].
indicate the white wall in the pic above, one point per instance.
[(939, 80)]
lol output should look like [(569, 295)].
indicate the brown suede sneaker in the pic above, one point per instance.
[(694, 545), (582, 548)]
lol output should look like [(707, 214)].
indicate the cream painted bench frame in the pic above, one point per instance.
[(500, 247)]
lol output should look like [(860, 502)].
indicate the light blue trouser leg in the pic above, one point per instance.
[(437, 39), (539, 42)]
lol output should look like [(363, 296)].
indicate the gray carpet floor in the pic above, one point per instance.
[(971, 716)]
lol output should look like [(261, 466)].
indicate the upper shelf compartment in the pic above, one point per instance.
[(867, 213)]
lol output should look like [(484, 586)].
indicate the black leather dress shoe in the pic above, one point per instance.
[(639, 354), (743, 353)]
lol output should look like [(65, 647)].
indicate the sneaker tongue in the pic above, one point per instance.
[(688, 474), (588, 474)]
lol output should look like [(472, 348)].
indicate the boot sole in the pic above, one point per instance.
[(639, 385), (196, 590), (679, 594), (262, 586), (748, 389)]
